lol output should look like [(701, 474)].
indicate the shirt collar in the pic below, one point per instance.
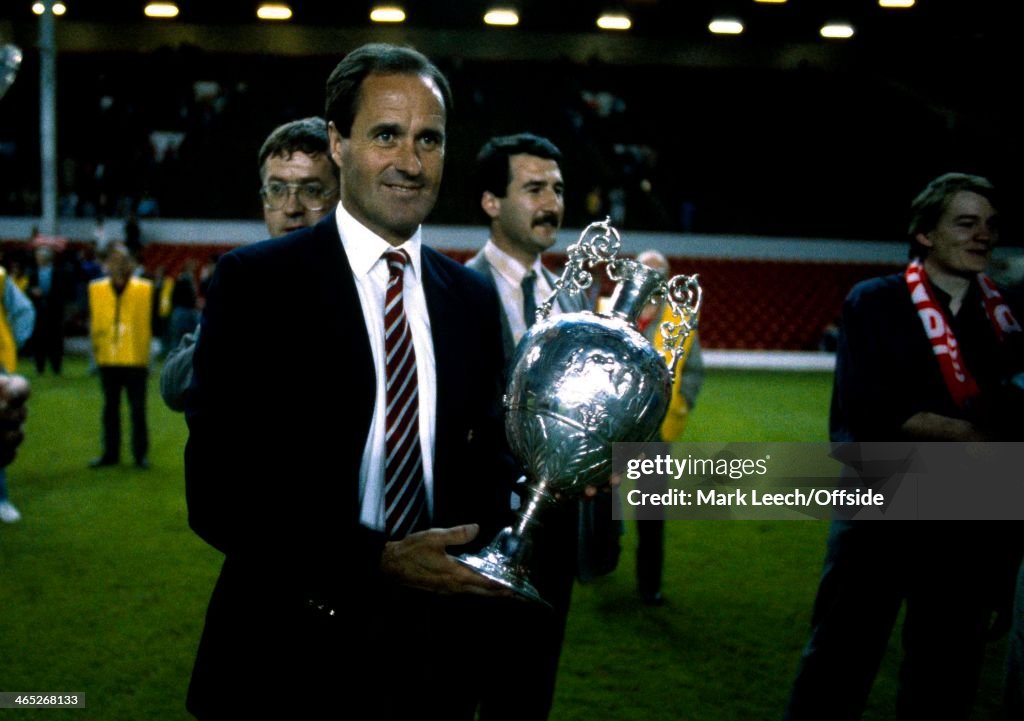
[(508, 267), (364, 247)]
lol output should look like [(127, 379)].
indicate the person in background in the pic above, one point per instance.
[(689, 377), (120, 325), (521, 192), (898, 379), (299, 187), (17, 318), (49, 289)]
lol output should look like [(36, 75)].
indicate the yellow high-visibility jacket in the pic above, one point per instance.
[(8, 348), (121, 324), (679, 409)]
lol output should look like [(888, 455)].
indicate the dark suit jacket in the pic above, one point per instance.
[(565, 302), (278, 413)]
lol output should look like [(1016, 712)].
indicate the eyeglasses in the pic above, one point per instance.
[(312, 196)]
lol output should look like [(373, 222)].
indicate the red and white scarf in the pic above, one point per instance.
[(961, 384)]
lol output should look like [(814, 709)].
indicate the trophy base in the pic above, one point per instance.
[(499, 570)]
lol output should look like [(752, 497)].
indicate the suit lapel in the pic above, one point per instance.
[(480, 264), (342, 322)]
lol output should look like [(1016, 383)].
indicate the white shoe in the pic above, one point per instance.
[(8, 513)]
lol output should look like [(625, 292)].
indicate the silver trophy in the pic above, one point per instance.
[(10, 60), (579, 383)]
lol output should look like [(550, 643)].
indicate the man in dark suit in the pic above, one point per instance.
[(342, 598), (521, 192), (49, 288)]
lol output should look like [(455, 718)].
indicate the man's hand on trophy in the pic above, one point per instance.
[(421, 560)]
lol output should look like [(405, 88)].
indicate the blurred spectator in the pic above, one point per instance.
[(50, 289), (184, 299), (133, 236), (14, 391), (689, 377), (17, 318), (120, 322), (18, 274), (163, 288)]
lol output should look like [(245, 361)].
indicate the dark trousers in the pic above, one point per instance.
[(525, 638), (944, 573), (650, 534), (650, 556), (48, 338), (133, 380)]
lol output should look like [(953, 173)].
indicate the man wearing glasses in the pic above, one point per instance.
[(300, 186), (300, 181)]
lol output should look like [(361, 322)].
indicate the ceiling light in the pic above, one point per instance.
[(161, 10), (501, 16), (896, 3), (387, 14), (614, 21), (274, 11), (725, 27), (841, 31)]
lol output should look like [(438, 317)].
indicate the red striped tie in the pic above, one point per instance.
[(405, 501)]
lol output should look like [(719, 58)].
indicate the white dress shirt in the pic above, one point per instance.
[(508, 277), (364, 250)]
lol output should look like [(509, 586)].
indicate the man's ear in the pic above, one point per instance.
[(334, 143), (491, 204), (924, 239)]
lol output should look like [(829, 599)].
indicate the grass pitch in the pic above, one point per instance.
[(103, 587)]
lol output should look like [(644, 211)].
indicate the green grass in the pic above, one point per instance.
[(103, 587)]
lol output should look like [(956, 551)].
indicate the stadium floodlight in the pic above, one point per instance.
[(725, 26), (58, 8), (161, 10), (837, 31), (274, 11), (501, 16), (896, 3), (387, 14), (614, 21)]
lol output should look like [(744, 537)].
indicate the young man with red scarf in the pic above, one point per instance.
[(927, 354)]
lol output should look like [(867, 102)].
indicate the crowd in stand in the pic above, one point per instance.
[(171, 133)]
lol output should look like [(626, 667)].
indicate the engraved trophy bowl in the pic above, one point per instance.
[(580, 382)]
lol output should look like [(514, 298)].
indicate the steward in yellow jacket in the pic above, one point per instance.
[(120, 321)]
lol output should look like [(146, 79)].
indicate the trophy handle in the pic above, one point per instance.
[(599, 242), (685, 296)]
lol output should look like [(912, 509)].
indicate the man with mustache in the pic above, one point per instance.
[(522, 194)]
